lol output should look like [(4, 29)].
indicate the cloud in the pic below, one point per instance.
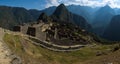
[(52, 3), (92, 3)]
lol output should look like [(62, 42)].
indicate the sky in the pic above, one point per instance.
[(42, 4)]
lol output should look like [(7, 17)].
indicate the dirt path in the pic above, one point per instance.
[(6, 56), (4, 51)]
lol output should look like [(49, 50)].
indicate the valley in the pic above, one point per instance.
[(60, 34)]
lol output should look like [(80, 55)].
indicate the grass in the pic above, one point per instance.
[(32, 54)]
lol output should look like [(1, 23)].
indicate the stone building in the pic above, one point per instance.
[(37, 28), (31, 31), (21, 28), (17, 28)]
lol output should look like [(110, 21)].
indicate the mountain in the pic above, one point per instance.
[(117, 11), (6, 17), (44, 18), (85, 11), (49, 11), (10, 16), (22, 15), (102, 19), (35, 13), (62, 14), (97, 17), (15, 15), (113, 30)]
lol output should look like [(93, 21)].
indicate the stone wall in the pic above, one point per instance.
[(31, 31), (24, 29), (35, 30), (17, 28), (40, 34)]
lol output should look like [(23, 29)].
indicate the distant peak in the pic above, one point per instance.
[(62, 5), (107, 6), (42, 14)]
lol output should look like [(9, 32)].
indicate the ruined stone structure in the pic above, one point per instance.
[(17, 28), (31, 31), (24, 29), (36, 30), (21, 28), (40, 34), (55, 33)]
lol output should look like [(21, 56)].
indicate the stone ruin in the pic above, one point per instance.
[(32, 30), (17, 28), (20, 28), (52, 32)]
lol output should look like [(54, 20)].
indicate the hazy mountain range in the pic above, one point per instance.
[(98, 18)]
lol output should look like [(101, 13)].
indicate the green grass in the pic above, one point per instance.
[(33, 54)]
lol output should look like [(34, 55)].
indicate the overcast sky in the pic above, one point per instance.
[(41, 4)]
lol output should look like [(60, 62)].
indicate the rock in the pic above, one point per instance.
[(16, 60)]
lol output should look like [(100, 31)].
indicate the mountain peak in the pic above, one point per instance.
[(106, 7), (62, 5), (61, 13), (61, 9), (44, 17)]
